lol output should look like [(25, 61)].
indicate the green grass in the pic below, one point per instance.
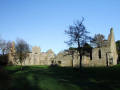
[(59, 78)]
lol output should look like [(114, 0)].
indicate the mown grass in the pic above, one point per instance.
[(59, 78)]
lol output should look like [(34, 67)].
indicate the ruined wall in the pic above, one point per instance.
[(36, 57), (63, 59), (11, 55), (104, 56), (112, 46)]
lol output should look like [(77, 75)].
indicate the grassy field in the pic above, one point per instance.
[(59, 78)]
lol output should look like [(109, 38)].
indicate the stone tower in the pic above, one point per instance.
[(113, 56), (11, 55)]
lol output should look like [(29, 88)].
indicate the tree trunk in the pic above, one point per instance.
[(21, 66), (3, 52), (80, 53), (107, 60), (72, 60), (80, 60)]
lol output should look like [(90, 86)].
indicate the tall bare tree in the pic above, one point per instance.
[(4, 46), (4, 50), (78, 36), (22, 49)]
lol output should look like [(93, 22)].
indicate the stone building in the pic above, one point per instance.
[(35, 57), (11, 55), (104, 56)]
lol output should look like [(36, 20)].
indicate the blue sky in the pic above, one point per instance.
[(42, 22)]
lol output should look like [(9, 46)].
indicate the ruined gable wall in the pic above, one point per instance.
[(112, 47)]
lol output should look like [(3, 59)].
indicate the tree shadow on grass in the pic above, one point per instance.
[(4, 79), (90, 78), (63, 78)]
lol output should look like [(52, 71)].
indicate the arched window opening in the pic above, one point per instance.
[(99, 54), (91, 55)]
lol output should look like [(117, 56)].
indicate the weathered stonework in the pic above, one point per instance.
[(36, 57), (104, 56), (11, 55), (39, 58)]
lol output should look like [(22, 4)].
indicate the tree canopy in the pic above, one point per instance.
[(78, 36), (22, 49), (98, 40)]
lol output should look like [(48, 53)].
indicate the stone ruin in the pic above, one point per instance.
[(36, 57), (104, 56)]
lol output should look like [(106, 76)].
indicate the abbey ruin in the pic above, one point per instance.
[(103, 56)]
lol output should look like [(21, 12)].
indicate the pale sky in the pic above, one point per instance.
[(42, 22)]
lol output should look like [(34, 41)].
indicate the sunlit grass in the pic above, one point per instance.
[(62, 78)]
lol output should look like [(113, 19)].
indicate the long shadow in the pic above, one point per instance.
[(52, 78), (4, 79), (90, 78)]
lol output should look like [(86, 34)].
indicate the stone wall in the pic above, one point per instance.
[(63, 59), (104, 56), (36, 57)]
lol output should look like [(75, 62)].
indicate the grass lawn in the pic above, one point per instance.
[(59, 78)]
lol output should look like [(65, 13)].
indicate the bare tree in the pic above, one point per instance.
[(98, 40), (4, 46), (8, 46), (4, 50), (22, 49), (78, 37)]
